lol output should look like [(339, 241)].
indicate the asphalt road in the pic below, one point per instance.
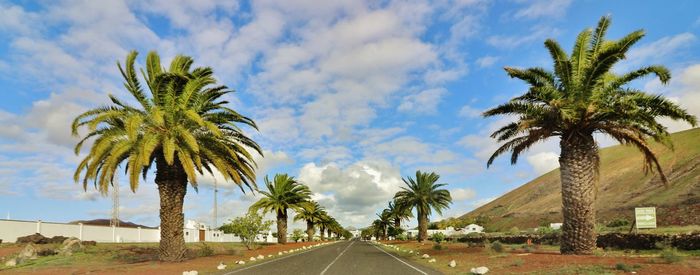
[(351, 257)]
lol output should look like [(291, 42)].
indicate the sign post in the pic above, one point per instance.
[(645, 217)]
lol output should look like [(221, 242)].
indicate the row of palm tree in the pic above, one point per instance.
[(285, 193), (183, 125), (424, 195)]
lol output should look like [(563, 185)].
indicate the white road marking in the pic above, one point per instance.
[(272, 261), (336, 258), (382, 250)]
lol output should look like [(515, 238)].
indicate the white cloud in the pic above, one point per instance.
[(469, 112), (424, 102), (460, 194), (543, 8), (543, 162), (656, 51), (537, 33), (486, 61)]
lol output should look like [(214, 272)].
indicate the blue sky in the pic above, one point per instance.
[(350, 96)]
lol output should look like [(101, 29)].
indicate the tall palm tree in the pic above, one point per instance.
[(312, 214), (582, 97), (283, 194), (425, 195), (398, 213), (181, 124), (323, 223), (385, 219)]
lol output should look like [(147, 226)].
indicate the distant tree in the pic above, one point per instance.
[(425, 195), (311, 214), (247, 228), (283, 194), (583, 96)]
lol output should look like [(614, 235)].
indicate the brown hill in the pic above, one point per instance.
[(623, 186)]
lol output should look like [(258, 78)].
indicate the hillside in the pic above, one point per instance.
[(623, 186)]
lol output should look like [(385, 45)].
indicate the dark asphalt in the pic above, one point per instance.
[(342, 258)]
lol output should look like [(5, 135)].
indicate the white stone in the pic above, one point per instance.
[(241, 262), (410, 251), (252, 259), (192, 272), (425, 256), (279, 253), (269, 256), (452, 263), (431, 260), (479, 270), (260, 257), (221, 266), (11, 262)]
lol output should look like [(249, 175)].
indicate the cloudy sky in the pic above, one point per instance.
[(350, 96)]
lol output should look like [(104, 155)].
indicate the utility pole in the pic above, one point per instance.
[(216, 216), (115, 202)]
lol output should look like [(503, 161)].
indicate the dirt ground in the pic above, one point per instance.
[(514, 260), (204, 265)]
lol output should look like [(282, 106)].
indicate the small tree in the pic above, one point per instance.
[(297, 234), (438, 237), (247, 228)]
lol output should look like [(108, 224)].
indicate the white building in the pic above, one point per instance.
[(450, 231), (473, 228), (555, 226)]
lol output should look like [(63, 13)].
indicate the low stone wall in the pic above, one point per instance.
[(689, 241)]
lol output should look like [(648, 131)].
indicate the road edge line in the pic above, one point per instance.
[(274, 260), (417, 269)]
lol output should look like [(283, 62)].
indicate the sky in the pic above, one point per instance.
[(349, 96)]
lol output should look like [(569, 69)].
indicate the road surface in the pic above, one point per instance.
[(351, 257)]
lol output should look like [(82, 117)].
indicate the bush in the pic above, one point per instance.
[(618, 223), (671, 255), (496, 246), (437, 246), (402, 237), (626, 268), (247, 227), (297, 235), (514, 230), (206, 251), (437, 237)]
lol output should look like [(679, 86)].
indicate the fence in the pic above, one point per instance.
[(10, 230)]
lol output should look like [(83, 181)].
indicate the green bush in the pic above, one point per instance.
[(402, 237), (437, 246), (514, 230), (206, 250), (496, 246), (437, 237), (618, 222), (671, 255)]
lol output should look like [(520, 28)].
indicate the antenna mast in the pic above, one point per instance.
[(216, 216)]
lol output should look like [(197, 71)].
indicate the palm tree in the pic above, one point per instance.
[(182, 125), (283, 194), (323, 223), (399, 212), (312, 215), (581, 97), (384, 219), (424, 194)]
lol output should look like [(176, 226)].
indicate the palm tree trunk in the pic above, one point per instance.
[(310, 231), (282, 226), (397, 223), (422, 226), (322, 237), (172, 187), (579, 178)]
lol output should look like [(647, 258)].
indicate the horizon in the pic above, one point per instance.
[(349, 97)]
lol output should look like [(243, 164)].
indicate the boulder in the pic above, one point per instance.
[(431, 260), (452, 263), (28, 253), (241, 262), (425, 256), (479, 270), (70, 245), (221, 266), (269, 256), (252, 259), (260, 257), (35, 238), (58, 239), (11, 262), (89, 243)]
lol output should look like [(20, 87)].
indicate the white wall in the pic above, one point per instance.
[(10, 230)]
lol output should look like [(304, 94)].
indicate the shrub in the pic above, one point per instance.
[(437, 237), (624, 267), (514, 230), (206, 251), (618, 222), (402, 237), (671, 255), (496, 246), (437, 246), (247, 227), (297, 235)]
